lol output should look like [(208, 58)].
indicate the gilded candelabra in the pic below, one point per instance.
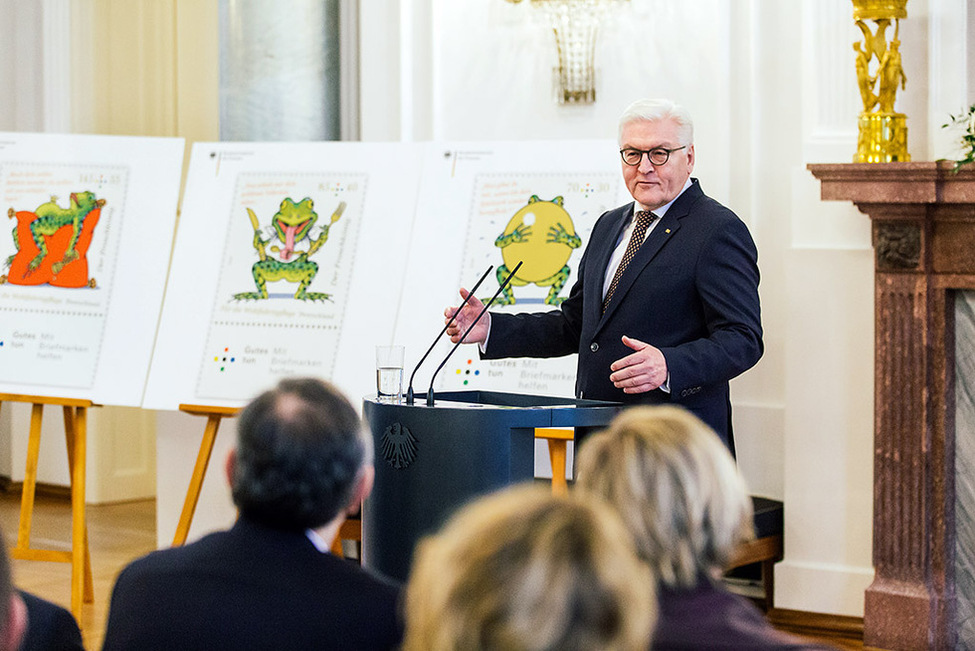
[(882, 134)]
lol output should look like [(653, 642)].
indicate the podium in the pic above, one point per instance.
[(432, 460)]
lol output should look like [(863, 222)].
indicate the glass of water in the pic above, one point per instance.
[(389, 373)]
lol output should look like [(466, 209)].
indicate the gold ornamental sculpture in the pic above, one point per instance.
[(882, 136)]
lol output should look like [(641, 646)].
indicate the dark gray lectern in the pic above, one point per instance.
[(431, 460)]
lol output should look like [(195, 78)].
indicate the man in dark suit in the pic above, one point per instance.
[(301, 464), (665, 308), (50, 627), (29, 623), (13, 612)]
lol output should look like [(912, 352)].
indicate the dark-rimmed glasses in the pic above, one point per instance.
[(658, 156)]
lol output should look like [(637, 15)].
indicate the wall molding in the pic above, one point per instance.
[(56, 65), (818, 625)]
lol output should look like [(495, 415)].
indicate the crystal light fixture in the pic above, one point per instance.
[(575, 24)]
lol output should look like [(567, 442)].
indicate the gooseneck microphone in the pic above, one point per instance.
[(430, 401), (409, 389)]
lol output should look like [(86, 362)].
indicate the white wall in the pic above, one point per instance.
[(156, 75), (178, 446), (772, 87), (121, 459), (36, 51)]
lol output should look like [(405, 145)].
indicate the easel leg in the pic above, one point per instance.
[(75, 430), (71, 424), (30, 477), (557, 456), (337, 547), (78, 538), (196, 481)]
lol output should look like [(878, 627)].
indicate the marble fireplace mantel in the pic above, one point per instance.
[(923, 230)]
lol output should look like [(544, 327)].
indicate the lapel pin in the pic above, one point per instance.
[(667, 231)]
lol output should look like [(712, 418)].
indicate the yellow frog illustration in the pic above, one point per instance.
[(542, 236)]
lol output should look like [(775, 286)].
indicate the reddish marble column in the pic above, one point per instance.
[(923, 218)]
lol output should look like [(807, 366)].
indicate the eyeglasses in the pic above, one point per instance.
[(658, 156)]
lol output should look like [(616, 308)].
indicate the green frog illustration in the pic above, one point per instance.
[(540, 235), (50, 218), (291, 225)]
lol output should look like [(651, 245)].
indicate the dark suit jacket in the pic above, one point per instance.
[(710, 617), (691, 291), (50, 627), (250, 588)]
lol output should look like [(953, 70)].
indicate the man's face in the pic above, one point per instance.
[(654, 186)]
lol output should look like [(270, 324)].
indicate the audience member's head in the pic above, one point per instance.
[(13, 613), (677, 488), (523, 569), (302, 457)]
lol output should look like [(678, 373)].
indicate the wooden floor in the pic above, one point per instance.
[(837, 631), (117, 534), (120, 533)]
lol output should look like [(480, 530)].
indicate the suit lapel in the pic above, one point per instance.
[(658, 237)]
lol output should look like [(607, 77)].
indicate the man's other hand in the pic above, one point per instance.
[(641, 371)]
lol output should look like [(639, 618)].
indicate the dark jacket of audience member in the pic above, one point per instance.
[(50, 627), (680, 495), (29, 623), (13, 612), (710, 617), (302, 462)]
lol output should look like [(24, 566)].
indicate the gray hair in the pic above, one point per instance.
[(655, 110), (677, 488)]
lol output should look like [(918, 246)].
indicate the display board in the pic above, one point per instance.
[(494, 205), (298, 259), (83, 270), (288, 261)]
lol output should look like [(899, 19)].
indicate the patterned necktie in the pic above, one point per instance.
[(643, 220)]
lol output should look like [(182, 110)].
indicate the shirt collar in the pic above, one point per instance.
[(318, 541)]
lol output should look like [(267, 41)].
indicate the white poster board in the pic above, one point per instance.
[(83, 267), (288, 261), (407, 225), (494, 204)]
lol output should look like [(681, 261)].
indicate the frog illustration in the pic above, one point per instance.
[(291, 225), (50, 218), (542, 236)]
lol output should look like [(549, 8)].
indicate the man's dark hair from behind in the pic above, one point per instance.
[(300, 448)]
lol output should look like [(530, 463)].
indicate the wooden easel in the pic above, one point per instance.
[(558, 438), (214, 416), (351, 529), (75, 435)]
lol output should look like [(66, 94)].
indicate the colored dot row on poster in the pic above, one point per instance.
[(468, 371), (224, 359)]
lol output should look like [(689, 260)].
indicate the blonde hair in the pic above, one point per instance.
[(526, 570), (676, 487)]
